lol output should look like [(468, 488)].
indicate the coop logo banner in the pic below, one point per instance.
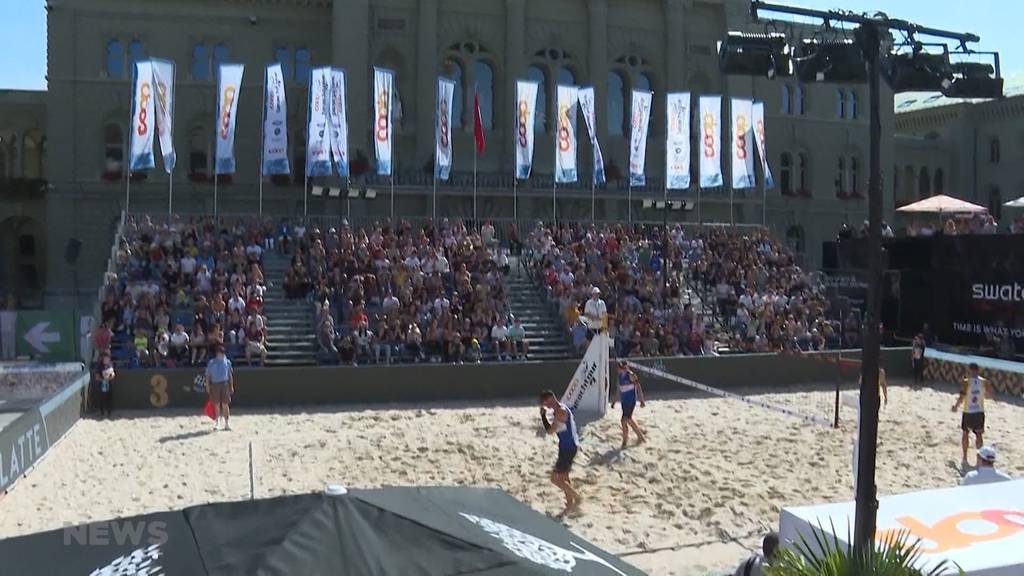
[(677, 141), (639, 121), (229, 88), (163, 81), (526, 113), (275, 122), (742, 144), (318, 137), (383, 86), (762, 148), (143, 122), (588, 108), (443, 147), (710, 141), (338, 118), (565, 135)]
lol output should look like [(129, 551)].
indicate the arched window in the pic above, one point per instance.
[(939, 183), (787, 99), (198, 165), (616, 104), (908, 183), (115, 59), (302, 65), (220, 55), (802, 169), (642, 82), (994, 151), (566, 77), (136, 52), (113, 149), (840, 103), (841, 177), (283, 56), (851, 104), (453, 69), (483, 80), (786, 174), (799, 100), (536, 74), (854, 175), (200, 62), (924, 184)]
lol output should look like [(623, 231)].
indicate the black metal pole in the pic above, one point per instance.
[(867, 501), (664, 254)]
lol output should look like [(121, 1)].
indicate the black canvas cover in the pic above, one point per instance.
[(391, 531)]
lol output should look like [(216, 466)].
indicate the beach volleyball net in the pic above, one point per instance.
[(815, 401)]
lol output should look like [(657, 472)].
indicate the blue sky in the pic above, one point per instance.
[(23, 61)]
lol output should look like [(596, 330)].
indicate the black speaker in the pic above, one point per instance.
[(72, 250)]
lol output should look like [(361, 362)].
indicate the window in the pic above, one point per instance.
[(198, 158), (115, 59), (924, 184), (200, 62), (113, 150), (939, 183), (908, 183), (787, 99), (616, 104), (851, 105), (799, 104), (537, 75), (841, 178), (302, 65), (283, 56), (854, 189), (802, 174), (483, 80), (994, 151), (136, 52), (566, 77), (220, 56), (453, 69), (840, 103), (785, 174)]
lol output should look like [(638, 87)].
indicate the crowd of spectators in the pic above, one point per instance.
[(183, 287), (388, 293)]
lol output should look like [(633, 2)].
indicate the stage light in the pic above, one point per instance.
[(830, 61), (974, 80), (918, 72), (755, 55)]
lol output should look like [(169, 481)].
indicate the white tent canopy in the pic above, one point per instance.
[(1018, 203), (943, 204)]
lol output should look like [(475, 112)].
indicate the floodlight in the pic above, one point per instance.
[(974, 80), (918, 72), (830, 61), (755, 54)]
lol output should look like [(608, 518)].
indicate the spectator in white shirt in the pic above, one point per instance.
[(254, 252), (440, 303), (499, 339), (237, 303), (188, 268), (203, 280), (442, 265), (595, 311), (986, 472), (390, 302)]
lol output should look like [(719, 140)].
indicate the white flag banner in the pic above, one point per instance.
[(140, 155), (742, 143), (589, 110), (229, 88), (565, 135), (677, 141), (163, 80), (587, 393), (762, 148), (383, 86), (275, 122), (443, 135), (526, 112), (318, 134), (710, 141), (639, 121), (337, 116)]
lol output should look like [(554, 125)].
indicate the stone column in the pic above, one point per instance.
[(675, 44), (515, 54), (350, 36), (427, 67), (597, 63)]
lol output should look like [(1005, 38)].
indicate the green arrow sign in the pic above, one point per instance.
[(46, 335)]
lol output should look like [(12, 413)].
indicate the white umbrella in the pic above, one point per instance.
[(1018, 203), (943, 204)]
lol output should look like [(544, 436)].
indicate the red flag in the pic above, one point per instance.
[(478, 124), (210, 410)]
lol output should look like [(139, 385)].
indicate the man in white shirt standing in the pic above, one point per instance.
[(596, 311), (986, 472)]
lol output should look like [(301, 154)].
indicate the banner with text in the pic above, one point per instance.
[(318, 135), (711, 141), (677, 141), (443, 134), (338, 117), (588, 108), (383, 86), (275, 122), (742, 144), (526, 112), (163, 79), (762, 148), (639, 121), (140, 156), (565, 135), (229, 88)]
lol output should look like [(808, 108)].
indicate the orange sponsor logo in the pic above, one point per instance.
[(709, 135), (521, 127), (946, 534), (381, 130), (144, 95), (563, 128), (741, 136), (444, 123), (225, 111)]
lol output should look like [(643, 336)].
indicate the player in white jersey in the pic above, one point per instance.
[(973, 392)]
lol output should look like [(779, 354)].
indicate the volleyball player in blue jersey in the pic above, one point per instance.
[(564, 427), (629, 393)]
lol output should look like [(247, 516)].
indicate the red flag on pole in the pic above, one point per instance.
[(478, 124)]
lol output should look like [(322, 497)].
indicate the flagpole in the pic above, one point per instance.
[(170, 194), (475, 222), (392, 195), (215, 192), (732, 211), (700, 221), (593, 201), (434, 212), (629, 201), (263, 127), (515, 197), (127, 159)]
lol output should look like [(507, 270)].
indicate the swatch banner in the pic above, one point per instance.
[(443, 136), (742, 143), (337, 115), (526, 112), (163, 80), (141, 136), (565, 135), (762, 149), (590, 117), (710, 141), (383, 85), (275, 122), (639, 121), (229, 88), (677, 141), (318, 135)]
